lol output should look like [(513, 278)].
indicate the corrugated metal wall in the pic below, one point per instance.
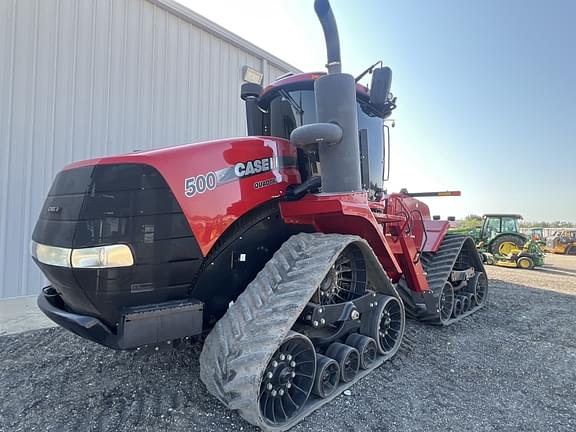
[(85, 78)]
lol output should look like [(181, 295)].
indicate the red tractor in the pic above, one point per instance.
[(283, 245)]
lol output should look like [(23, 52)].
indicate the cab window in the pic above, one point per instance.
[(290, 110), (492, 226), (509, 225)]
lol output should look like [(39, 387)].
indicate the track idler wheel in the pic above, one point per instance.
[(366, 346), (327, 376), (385, 324), (348, 359), (480, 288), (288, 379), (446, 302)]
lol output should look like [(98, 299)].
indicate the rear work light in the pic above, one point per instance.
[(110, 256)]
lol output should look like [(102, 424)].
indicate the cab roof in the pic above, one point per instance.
[(511, 215), (298, 80)]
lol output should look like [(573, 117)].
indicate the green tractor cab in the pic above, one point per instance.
[(500, 234)]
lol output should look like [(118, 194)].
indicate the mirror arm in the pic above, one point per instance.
[(368, 70)]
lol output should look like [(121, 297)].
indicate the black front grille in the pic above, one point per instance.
[(118, 204)]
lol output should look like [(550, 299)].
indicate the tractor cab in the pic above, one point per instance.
[(494, 224), (289, 103), (500, 234)]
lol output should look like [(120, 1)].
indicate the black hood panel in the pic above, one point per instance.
[(118, 204)]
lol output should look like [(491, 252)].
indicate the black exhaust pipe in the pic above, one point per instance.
[(335, 94), (336, 103), (326, 17)]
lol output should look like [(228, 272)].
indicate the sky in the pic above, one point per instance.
[(486, 90)]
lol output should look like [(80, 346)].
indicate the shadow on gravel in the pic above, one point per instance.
[(556, 270), (507, 367)]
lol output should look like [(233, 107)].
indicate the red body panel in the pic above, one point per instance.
[(210, 213), (436, 231), (397, 249), (343, 214)]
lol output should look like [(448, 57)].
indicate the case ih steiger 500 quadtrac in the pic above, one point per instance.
[(282, 245)]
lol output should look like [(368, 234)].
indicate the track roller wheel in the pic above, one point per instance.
[(288, 379), (385, 325), (465, 304), (327, 376), (525, 263), (457, 311), (446, 302), (348, 359), (473, 301), (366, 346)]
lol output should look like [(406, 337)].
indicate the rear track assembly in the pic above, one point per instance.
[(452, 299)]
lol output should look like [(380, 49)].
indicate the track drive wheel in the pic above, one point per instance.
[(346, 280), (385, 325), (288, 379), (525, 263)]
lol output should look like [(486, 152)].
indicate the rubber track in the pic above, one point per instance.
[(239, 347)]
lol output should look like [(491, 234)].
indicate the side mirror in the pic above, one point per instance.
[(248, 90), (380, 87), (249, 93)]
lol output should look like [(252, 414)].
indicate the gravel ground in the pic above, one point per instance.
[(508, 367)]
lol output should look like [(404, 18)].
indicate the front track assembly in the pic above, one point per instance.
[(457, 281), (320, 316)]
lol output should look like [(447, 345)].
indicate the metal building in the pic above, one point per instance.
[(86, 78)]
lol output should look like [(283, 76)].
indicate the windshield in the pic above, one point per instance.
[(290, 110)]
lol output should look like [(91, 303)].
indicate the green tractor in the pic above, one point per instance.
[(499, 234), (500, 242)]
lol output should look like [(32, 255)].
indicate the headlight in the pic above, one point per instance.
[(51, 255), (97, 257), (103, 257)]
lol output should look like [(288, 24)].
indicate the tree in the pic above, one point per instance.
[(470, 222)]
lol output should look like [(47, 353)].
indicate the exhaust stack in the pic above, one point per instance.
[(326, 17), (336, 104)]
